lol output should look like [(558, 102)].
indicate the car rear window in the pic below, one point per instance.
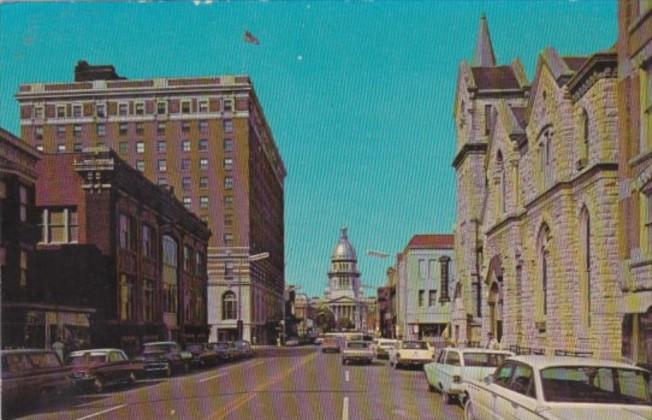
[(18, 362), (45, 360), (415, 345), (358, 345), (83, 359), (483, 359)]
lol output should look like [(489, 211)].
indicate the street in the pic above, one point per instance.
[(288, 383)]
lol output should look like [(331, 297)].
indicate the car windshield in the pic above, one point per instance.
[(415, 345), (596, 384), (358, 345), (484, 359), (86, 358), (158, 348)]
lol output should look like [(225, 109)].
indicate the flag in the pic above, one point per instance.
[(250, 38)]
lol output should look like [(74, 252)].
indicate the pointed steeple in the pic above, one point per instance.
[(484, 52)]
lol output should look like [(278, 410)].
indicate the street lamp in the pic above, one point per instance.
[(382, 255), (250, 258)]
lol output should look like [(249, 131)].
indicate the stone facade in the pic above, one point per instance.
[(537, 198)]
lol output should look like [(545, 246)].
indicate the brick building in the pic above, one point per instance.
[(635, 175), (113, 241), (207, 137), (541, 163)]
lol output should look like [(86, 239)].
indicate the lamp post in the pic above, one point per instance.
[(381, 255), (250, 258)]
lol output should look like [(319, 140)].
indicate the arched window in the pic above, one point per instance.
[(543, 253), (170, 274), (585, 136), (229, 305), (546, 156), (585, 267), (501, 190)]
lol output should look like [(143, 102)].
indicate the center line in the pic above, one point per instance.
[(345, 408), (213, 377), (346, 375), (102, 412)]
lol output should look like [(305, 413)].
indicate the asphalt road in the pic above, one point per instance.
[(280, 383)]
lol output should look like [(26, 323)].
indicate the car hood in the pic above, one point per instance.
[(598, 411)]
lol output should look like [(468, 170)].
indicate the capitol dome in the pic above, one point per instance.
[(344, 250)]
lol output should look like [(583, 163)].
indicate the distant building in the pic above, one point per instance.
[(424, 286), (634, 91), (127, 249), (385, 325), (208, 139)]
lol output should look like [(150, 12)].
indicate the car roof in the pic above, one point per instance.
[(478, 350), (542, 362), (83, 352), (151, 343)]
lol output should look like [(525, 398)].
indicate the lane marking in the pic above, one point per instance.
[(345, 408), (239, 402), (102, 412), (213, 377), (346, 375)]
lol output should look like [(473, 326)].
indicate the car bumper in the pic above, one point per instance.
[(413, 362), (358, 358), (156, 367), (456, 389)]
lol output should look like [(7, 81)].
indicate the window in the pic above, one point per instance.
[(186, 183), (203, 126), (203, 182), (185, 145), (584, 147), (228, 164), (76, 130), (140, 147), (61, 148), (140, 128), (227, 104), (646, 108), (100, 110), (423, 269), (199, 263), (77, 147), (522, 381), (420, 301), (203, 145), (228, 145), (161, 108), (229, 305), (139, 108), (543, 254), (500, 193), (161, 146), (170, 274), (126, 232), (76, 111), (23, 203), (59, 225), (453, 358), (140, 165), (585, 267), (203, 164), (187, 258), (123, 109), (147, 241), (228, 201), (228, 126), (162, 165), (185, 164), (185, 107), (228, 182), (101, 130), (39, 147), (546, 154), (61, 130), (487, 119), (203, 105), (228, 220), (162, 181), (187, 202), (432, 297), (127, 298), (123, 129), (61, 111), (185, 126), (23, 269), (148, 300), (228, 238), (646, 222), (504, 374), (39, 112), (38, 132), (123, 147), (203, 202)]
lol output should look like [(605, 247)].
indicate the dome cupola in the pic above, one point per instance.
[(344, 251)]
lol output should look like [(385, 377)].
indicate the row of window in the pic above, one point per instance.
[(137, 108), (432, 297)]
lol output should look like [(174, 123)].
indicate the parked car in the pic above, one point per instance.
[(28, 375), (382, 346), (98, 368), (453, 366), (164, 357), (292, 342), (410, 353), (330, 344), (357, 351), (243, 349), (318, 340), (202, 355), (561, 388), (225, 350)]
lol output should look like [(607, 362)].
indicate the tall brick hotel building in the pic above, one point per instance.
[(207, 139)]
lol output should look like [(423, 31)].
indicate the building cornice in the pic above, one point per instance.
[(468, 148), (603, 65)]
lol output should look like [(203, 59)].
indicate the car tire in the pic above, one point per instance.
[(396, 365), (343, 361), (469, 410), (98, 384)]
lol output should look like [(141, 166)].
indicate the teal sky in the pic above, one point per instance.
[(358, 94)]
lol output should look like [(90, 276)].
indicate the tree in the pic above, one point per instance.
[(324, 319), (345, 324)]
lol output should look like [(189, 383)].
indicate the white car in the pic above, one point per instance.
[(382, 347), (454, 365), (561, 388), (410, 353)]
